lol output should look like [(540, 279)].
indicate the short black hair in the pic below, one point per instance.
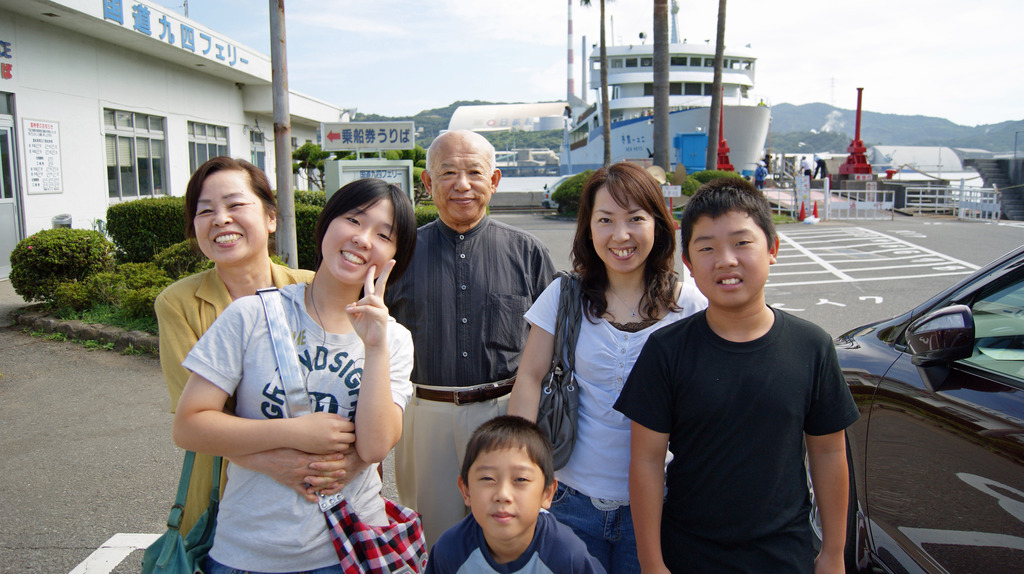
[(363, 194), (510, 431), (720, 196)]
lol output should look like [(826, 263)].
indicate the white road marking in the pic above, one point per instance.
[(827, 253), (113, 551)]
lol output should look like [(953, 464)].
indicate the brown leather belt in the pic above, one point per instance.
[(465, 396)]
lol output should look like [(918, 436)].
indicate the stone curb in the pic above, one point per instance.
[(121, 338)]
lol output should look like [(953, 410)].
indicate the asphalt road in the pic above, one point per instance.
[(85, 448)]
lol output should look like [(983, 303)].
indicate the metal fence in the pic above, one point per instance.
[(970, 203), (866, 204)]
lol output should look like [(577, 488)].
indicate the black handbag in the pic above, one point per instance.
[(172, 554), (560, 394)]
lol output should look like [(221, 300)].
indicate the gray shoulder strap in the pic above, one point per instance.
[(295, 396)]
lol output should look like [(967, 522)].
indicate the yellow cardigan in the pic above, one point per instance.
[(185, 310)]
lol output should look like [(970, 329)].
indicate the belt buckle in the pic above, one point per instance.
[(455, 398)]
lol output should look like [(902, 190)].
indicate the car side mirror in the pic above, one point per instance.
[(942, 336)]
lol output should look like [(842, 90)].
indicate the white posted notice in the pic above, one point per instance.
[(42, 156)]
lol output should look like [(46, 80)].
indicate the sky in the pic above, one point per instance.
[(955, 59)]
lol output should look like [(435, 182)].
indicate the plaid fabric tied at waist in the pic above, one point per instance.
[(466, 395)]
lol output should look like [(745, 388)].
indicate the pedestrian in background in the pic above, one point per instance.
[(463, 298)]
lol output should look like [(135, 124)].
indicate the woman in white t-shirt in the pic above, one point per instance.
[(348, 349), (624, 253)]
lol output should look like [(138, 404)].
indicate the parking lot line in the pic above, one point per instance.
[(113, 551)]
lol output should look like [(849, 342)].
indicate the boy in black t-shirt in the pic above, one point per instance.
[(735, 392)]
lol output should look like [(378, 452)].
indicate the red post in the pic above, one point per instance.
[(856, 162), (723, 146)]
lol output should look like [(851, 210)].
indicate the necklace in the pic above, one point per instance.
[(633, 308)]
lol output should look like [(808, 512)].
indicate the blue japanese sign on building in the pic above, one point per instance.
[(168, 27)]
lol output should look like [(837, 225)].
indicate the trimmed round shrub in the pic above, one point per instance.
[(114, 287), (710, 174), (314, 198), (689, 186), (40, 262), (138, 304), (140, 229), (568, 192), (425, 214), (182, 259), (305, 225), (72, 294)]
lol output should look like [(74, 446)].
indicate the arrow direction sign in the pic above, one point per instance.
[(367, 136)]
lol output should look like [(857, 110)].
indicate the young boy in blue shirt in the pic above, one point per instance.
[(735, 392), (507, 480)]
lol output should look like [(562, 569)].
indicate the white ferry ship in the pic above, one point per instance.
[(631, 100)]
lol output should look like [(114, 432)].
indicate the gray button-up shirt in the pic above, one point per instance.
[(463, 298)]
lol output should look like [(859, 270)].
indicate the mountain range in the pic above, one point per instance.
[(818, 127), (889, 129)]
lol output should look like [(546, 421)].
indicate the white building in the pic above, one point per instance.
[(103, 101)]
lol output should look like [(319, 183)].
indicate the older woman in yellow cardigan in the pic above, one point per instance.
[(230, 211)]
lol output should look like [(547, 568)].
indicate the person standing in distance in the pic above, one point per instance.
[(463, 298)]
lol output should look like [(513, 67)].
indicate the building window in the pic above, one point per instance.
[(614, 63), (646, 62), (204, 142), (258, 149), (695, 62), (648, 89), (135, 154), (675, 89), (709, 62), (630, 62), (677, 61), (693, 89), (709, 90)]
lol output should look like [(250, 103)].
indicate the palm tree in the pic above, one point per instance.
[(662, 139), (716, 91), (606, 113)]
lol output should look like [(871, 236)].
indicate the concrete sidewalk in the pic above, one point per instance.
[(9, 302)]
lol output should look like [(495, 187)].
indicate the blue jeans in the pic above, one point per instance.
[(213, 567), (608, 533)]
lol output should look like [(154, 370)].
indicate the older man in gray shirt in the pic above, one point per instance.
[(463, 298)]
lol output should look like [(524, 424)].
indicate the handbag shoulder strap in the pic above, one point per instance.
[(567, 322), (178, 510), (296, 399)]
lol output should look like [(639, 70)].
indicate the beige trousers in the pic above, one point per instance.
[(429, 456)]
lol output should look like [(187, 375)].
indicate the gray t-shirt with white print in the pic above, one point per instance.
[(263, 525)]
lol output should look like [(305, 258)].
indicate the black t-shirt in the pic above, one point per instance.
[(736, 414)]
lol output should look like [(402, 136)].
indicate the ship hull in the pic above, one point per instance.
[(746, 129)]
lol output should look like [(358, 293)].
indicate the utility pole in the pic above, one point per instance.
[(287, 246)]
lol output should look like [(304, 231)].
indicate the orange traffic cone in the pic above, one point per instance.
[(815, 210), (803, 212)]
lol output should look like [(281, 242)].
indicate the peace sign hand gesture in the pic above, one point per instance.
[(369, 315)]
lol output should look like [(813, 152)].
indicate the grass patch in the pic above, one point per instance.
[(53, 337), (108, 315), (96, 345)]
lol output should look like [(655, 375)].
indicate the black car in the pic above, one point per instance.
[(937, 457)]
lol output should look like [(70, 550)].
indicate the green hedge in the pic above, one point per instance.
[(40, 262), (568, 192), (140, 229)]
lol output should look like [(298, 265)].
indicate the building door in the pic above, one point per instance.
[(10, 220)]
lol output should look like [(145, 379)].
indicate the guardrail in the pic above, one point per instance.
[(968, 203)]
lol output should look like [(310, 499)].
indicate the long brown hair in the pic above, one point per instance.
[(625, 182)]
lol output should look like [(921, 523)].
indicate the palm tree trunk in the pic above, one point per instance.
[(716, 91), (606, 112), (662, 137)]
